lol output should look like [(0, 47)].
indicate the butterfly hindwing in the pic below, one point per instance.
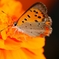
[(33, 21)]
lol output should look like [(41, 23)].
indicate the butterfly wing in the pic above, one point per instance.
[(35, 21)]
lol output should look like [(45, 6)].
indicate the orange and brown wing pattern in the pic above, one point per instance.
[(35, 21)]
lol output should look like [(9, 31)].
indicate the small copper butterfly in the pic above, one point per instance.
[(35, 21)]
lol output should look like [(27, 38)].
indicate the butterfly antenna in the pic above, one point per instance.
[(5, 28)]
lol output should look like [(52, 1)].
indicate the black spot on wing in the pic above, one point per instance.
[(35, 15), (39, 16), (36, 21), (25, 19), (30, 24), (25, 26), (30, 28), (39, 23), (43, 19), (43, 14), (36, 12), (22, 21), (31, 32), (28, 16)]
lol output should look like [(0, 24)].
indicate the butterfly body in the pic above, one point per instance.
[(35, 21)]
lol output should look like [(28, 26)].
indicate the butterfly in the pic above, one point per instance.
[(35, 21)]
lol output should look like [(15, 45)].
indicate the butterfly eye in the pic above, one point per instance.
[(15, 23)]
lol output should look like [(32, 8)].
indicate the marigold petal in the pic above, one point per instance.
[(2, 43), (33, 43), (4, 35), (19, 54)]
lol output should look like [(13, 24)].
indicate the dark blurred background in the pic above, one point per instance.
[(52, 42)]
